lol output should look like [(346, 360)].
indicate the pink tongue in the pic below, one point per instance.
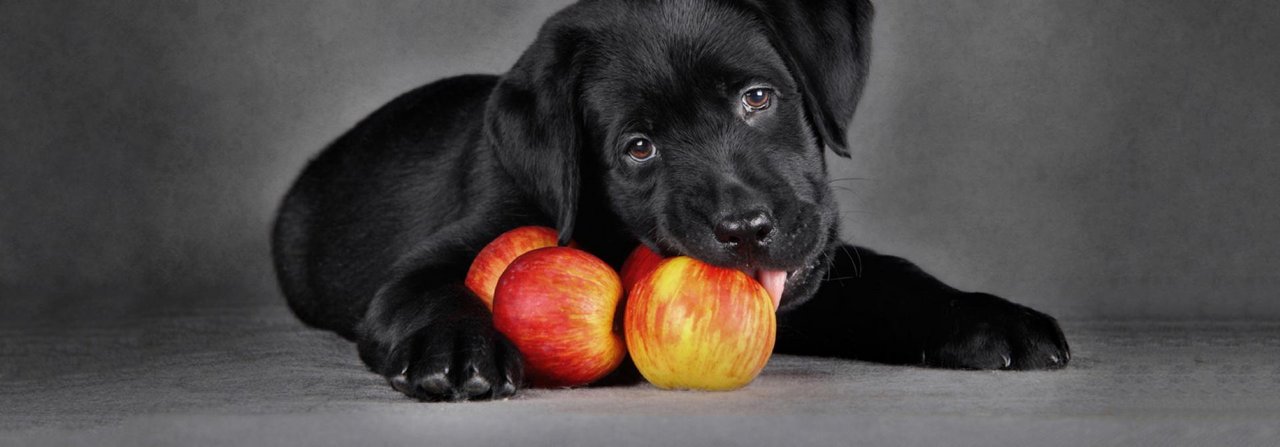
[(774, 281)]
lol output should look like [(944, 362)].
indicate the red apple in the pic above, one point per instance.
[(482, 277), (691, 325), (557, 305), (641, 261)]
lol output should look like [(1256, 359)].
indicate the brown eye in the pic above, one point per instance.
[(758, 99), (641, 149)]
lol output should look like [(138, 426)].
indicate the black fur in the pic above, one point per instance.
[(374, 239)]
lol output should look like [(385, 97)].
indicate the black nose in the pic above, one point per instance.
[(748, 229)]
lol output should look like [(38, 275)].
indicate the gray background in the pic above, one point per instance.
[(1095, 159)]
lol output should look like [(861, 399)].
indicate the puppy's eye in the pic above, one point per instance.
[(758, 99), (641, 149)]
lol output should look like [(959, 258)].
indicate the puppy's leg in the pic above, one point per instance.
[(431, 337), (883, 308)]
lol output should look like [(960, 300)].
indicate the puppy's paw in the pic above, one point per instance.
[(456, 361), (988, 332)]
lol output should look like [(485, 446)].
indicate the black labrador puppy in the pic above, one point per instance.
[(695, 127)]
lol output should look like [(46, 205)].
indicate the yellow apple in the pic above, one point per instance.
[(692, 325)]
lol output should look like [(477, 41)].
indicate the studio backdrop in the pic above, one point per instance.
[(1093, 159)]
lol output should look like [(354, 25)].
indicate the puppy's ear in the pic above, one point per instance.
[(532, 126), (827, 45)]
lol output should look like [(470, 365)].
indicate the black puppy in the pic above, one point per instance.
[(694, 127)]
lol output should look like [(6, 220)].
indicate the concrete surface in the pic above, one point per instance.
[(251, 375)]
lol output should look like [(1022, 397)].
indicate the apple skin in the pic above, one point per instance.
[(640, 263), (493, 259), (558, 306), (691, 325)]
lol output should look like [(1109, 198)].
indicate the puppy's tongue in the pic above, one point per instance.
[(774, 282)]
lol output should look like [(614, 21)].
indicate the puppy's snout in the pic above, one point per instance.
[(744, 230)]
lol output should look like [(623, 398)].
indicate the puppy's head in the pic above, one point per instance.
[(702, 123)]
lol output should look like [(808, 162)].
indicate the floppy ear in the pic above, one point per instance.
[(826, 43), (531, 124)]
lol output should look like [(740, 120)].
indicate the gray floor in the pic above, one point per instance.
[(252, 375)]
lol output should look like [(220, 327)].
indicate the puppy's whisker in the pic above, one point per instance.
[(848, 179), (826, 258), (857, 263), (842, 278)]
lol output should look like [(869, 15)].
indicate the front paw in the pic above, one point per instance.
[(988, 332), (455, 361)]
